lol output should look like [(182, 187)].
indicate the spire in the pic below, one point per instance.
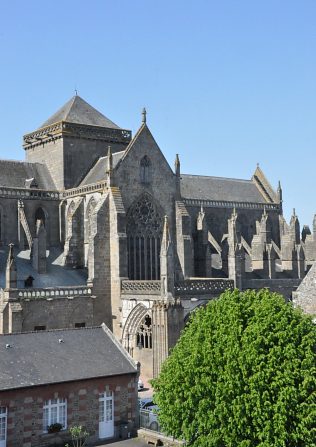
[(166, 263), (295, 228), (177, 165), (109, 160), (165, 234), (280, 196), (144, 115), (11, 273), (10, 255), (264, 214)]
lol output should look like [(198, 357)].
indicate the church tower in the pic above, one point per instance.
[(72, 140)]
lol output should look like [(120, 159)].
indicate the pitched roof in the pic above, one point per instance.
[(57, 275), (78, 111), (19, 174), (218, 188), (97, 172), (46, 357)]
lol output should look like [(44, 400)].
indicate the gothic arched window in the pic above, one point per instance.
[(144, 231), (40, 215), (144, 334), (145, 170)]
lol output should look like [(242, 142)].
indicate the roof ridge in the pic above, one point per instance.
[(22, 161), (52, 330), (219, 178), (71, 103)]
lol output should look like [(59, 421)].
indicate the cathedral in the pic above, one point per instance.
[(95, 226)]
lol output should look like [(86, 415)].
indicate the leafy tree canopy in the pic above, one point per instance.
[(243, 374)]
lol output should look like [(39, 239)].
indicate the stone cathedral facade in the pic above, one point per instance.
[(95, 226)]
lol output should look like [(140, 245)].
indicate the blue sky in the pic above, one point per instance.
[(226, 84)]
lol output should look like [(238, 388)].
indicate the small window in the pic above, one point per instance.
[(39, 328), (54, 412), (80, 324), (145, 170)]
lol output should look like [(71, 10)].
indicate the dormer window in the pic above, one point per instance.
[(145, 170), (31, 183)]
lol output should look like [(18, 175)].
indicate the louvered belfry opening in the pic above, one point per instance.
[(144, 232)]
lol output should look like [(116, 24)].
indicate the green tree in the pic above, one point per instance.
[(243, 374)]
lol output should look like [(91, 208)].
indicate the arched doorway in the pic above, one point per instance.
[(137, 338)]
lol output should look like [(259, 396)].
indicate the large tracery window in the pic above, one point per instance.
[(144, 231), (144, 334)]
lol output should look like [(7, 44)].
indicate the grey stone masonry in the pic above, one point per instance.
[(305, 295), (39, 248), (106, 231)]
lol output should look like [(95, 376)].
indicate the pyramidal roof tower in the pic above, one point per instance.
[(72, 140), (78, 111)]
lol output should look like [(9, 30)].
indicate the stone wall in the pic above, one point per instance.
[(80, 155), (9, 220), (50, 154), (283, 286), (25, 314)]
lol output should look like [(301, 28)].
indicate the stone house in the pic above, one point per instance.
[(69, 376), (104, 230)]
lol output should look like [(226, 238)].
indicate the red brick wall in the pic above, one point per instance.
[(25, 408)]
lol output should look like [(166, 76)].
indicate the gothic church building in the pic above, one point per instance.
[(95, 226)]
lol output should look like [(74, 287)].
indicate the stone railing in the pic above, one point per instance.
[(23, 193), (203, 286), (227, 204), (86, 189), (140, 287), (51, 293), (56, 130)]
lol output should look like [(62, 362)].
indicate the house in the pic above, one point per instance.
[(72, 377)]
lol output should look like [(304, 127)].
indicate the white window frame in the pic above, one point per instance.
[(55, 411), (4, 415)]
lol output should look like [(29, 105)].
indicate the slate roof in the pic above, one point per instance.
[(16, 174), (218, 188), (39, 358), (78, 111), (97, 172), (57, 275)]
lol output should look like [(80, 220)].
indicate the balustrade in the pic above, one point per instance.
[(141, 287), (203, 286), (51, 293)]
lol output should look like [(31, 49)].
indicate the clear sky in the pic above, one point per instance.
[(226, 83)]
